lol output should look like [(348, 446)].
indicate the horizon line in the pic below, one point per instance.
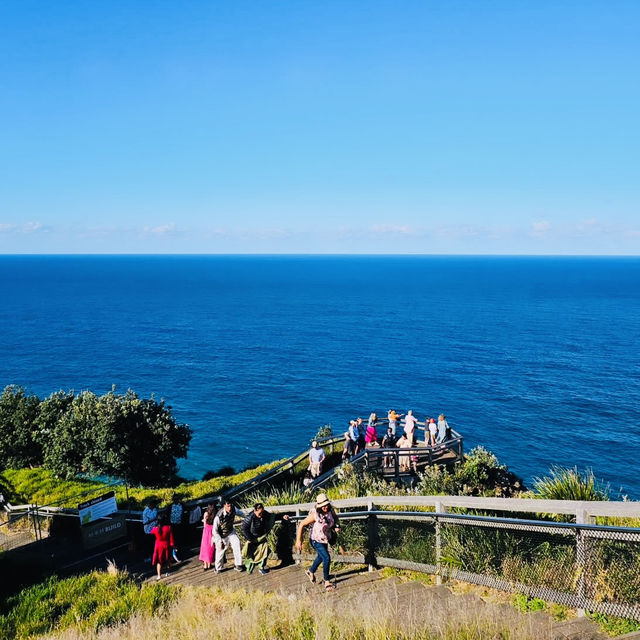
[(323, 254)]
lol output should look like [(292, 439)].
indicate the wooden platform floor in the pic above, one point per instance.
[(286, 580)]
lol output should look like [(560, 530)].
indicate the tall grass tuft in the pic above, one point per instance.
[(570, 484), (220, 614)]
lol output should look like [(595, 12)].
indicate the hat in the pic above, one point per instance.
[(322, 500)]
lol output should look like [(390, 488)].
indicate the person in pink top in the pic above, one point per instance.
[(207, 544), (325, 526), (371, 436), (410, 426)]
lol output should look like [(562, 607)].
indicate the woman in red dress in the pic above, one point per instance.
[(163, 545)]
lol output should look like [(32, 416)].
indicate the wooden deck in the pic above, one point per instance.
[(287, 580)]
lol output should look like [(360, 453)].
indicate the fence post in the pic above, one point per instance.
[(439, 509), (371, 538), (298, 560), (582, 517), (34, 509)]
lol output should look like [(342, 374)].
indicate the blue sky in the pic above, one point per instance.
[(330, 127)]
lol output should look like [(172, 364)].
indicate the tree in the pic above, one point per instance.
[(70, 440), (136, 439), (121, 436), (18, 445), (50, 411)]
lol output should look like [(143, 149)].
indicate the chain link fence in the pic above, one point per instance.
[(585, 567)]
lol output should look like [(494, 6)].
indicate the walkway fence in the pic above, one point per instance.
[(23, 524), (575, 563)]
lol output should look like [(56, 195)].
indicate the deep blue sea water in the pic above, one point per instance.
[(537, 359)]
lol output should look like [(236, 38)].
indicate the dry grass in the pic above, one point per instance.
[(203, 613)]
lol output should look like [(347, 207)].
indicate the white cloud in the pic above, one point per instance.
[(390, 229), (32, 227), (539, 228), (160, 230), (26, 228)]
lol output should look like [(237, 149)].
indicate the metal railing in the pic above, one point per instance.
[(24, 524), (580, 565)]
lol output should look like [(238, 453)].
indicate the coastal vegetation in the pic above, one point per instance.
[(539, 560), (110, 606), (41, 486), (86, 603), (115, 435), (570, 484)]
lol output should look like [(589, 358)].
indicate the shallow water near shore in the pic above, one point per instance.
[(535, 358)]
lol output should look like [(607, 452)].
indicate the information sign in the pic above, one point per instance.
[(97, 533), (99, 507)]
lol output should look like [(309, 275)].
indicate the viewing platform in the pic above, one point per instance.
[(392, 463)]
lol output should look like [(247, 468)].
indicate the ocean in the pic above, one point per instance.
[(534, 358)]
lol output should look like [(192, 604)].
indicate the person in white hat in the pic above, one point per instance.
[(323, 533)]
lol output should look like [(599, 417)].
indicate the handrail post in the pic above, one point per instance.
[(372, 536), (298, 560), (582, 517), (34, 520), (440, 508)]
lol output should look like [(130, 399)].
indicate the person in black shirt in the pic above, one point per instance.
[(255, 528)]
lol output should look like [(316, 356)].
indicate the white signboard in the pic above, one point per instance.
[(100, 507)]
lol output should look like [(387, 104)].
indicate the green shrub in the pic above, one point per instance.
[(293, 493), (323, 432), (525, 604), (614, 626), (570, 484)]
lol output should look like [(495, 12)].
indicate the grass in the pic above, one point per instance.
[(41, 486), (570, 484), (222, 614), (86, 603)]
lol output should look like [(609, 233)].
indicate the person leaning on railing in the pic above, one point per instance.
[(444, 431), (393, 416), (410, 422), (349, 446)]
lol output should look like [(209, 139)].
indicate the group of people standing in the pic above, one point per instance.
[(167, 533), (219, 533), (361, 435)]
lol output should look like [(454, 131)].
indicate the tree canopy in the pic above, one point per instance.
[(117, 435)]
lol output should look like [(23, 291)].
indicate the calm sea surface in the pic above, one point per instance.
[(538, 359)]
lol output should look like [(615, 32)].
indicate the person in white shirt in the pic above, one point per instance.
[(410, 426), (316, 458)]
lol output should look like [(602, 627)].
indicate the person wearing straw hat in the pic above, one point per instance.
[(324, 521)]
